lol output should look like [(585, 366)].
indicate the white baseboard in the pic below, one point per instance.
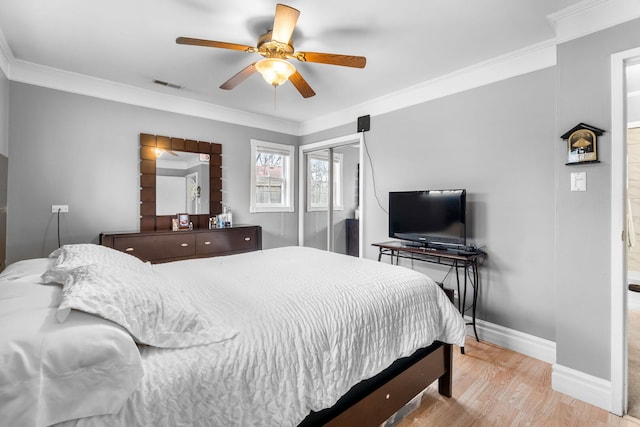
[(529, 345), (576, 384), (579, 385)]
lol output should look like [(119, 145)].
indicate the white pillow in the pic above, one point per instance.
[(52, 372), (76, 255), (153, 310)]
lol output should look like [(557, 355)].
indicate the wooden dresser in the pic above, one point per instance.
[(164, 246)]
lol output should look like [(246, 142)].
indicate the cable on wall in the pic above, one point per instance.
[(373, 175), (59, 227)]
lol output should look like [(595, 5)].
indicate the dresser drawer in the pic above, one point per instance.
[(228, 241), (157, 247), (165, 246)]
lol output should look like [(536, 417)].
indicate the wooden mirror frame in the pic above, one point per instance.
[(149, 221)]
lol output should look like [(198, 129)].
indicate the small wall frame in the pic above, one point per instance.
[(582, 144)]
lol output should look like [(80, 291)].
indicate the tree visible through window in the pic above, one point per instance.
[(270, 183), (271, 177), (318, 182)]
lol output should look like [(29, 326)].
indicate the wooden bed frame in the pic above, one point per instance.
[(373, 401)]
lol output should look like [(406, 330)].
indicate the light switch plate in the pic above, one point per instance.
[(578, 181)]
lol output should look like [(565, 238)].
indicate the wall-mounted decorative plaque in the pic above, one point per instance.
[(582, 144)]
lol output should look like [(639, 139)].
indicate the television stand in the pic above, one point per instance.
[(409, 244), (468, 260)]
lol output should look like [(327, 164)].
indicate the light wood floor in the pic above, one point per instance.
[(497, 387)]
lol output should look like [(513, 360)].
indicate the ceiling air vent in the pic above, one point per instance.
[(167, 84)]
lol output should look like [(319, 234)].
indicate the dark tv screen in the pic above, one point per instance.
[(429, 217)]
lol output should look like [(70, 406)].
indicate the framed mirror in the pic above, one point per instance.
[(193, 191)]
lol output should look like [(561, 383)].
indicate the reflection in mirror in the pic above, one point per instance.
[(182, 182)]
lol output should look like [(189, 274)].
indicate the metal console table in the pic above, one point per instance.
[(467, 260)]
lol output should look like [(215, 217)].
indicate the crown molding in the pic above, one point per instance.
[(526, 60), (590, 16), (53, 78), (531, 58)]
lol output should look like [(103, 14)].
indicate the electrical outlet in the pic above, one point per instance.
[(455, 294), (59, 208)]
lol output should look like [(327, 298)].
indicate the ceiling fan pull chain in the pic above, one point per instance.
[(275, 106)]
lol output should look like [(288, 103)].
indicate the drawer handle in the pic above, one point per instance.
[(129, 250), (207, 243), (246, 239), (184, 245)]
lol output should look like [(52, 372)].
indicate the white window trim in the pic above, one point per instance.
[(339, 203), (288, 150)]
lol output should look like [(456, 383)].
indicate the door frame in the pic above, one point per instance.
[(326, 144), (619, 61)]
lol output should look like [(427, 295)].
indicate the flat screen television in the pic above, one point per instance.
[(435, 218)]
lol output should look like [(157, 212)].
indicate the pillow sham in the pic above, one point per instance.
[(54, 372), (145, 303), (76, 255)]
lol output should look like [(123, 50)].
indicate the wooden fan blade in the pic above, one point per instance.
[(333, 59), (301, 84), (239, 77), (284, 23), (211, 43)]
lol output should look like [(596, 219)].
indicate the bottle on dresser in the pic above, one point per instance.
[(225, 219)]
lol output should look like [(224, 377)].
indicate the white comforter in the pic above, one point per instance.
[(311, 325)]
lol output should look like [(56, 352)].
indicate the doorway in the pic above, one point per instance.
[(330, 194), (620, 108)]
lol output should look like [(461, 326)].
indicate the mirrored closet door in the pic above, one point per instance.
[(330, 195)]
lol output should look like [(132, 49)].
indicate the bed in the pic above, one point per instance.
[(287, 336)]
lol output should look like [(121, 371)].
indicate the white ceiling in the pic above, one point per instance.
[(406, 42)]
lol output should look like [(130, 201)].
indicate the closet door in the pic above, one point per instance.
[(331, 198), (316, 218)]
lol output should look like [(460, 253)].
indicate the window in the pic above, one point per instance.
[(271, 177), (318, 181)]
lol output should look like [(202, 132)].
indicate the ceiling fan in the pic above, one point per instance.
[(276, 47)]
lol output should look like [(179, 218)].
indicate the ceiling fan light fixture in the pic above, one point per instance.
[(275, 71)]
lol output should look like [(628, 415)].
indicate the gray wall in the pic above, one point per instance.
[(498, 142), (4, 115), (4, 168), (82, 151), (583, 312), (4, 163)]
